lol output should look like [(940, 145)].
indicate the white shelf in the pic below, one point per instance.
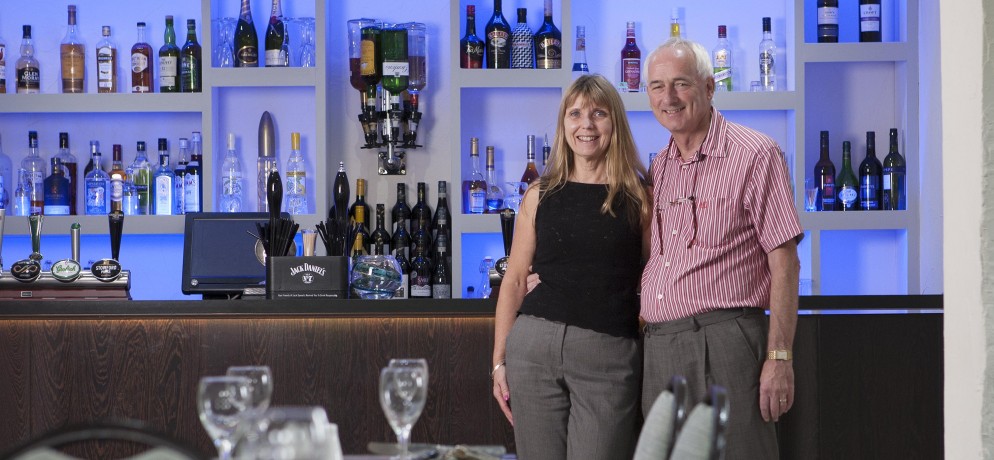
[(478, 223), (261, 76), (854, 52), (511, 78), (735, 100), (97, 225), (856, 220), (103, 103)]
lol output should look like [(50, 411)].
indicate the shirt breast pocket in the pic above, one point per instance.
[(716, 219)]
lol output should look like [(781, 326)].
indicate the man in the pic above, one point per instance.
[(723, 247)]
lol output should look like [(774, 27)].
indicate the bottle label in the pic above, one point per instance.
[(522, 48), (3, 68), (720, 60), (497, 39), (28, 80), (296, 183), (420, 286), (396, 69), (549, 52), (139, 62), (163, 196), (189, 74), (401, 292), (828, 194), (828, 15), (248, 56), (73, 68), (868, 192), (472, 57), (723, 77), (106, 58), (231, 185), (631, 73), (848, 196), (869, 18), (96, 197), (116, 188), (191, 191), (441, 291), (477, 202), (276, 58), (167, 71), (766, 70), (179, 196), (367, 58), (56, 210)]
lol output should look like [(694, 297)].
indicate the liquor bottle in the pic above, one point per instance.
[(362, 234), (28, 68), (721, 57), (846, 183), (129, 194), (869, 21), (828, 21), (23, 193), (231, 179), (6, 171), (179, 181), (141, 64), (631, 61), (421, 270), (360, 203), (3, 73), (498, 44), (580, 53), (522, 43), (895, 188), (56, 191), (193, 198), (4, 196), (266, 163), (400, 244), (396, 66), (767, 59), (72, 54), (870, 172), (475, 186), (163, 180), (531, 172), (118, 177), (246, 41), (277, 40), (106, 63), (470, 46), (141, 176), (370, 59), (68, 161), (495, 196), (401, 212), (675, 23), (443, 217), (97, 184), (825, 177), (35, 168), (190, 63), (421, 212), (441, 277), (380, 238), (296, 179), (169, 60), (546, 151), (548, 42)]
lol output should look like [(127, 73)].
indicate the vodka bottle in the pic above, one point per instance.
[(231, 179), (296, 179)]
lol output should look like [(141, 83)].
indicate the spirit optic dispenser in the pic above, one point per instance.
[(391, 57)]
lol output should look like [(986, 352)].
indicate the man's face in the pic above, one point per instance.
[(679, 97)]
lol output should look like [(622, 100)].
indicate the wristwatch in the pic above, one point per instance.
[(780, 355)]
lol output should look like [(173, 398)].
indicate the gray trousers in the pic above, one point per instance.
[(724, 347), (574, 392)]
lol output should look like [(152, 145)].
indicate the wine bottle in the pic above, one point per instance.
[(277, 40), (470, 46), (162, 190), (401, 246), (895, 188), (117, 179), (169, 60), (360, 203), (141, 64), (825, 177), (401, 212), (870, 172), (190, 63), (767, 59), (847, 184), (192, 181), (421, 212), (580, 53), (631, 61), (475, 186), (106, 63), (522, 43), (531, 172), (380, 238), (72, 53), (97, 183), (421, 270), (35, 169), (721, 57), (68, 161), (246, 40), (179, 182), (548, 42), (358, 247), (443, 217), (869, 21), (296, 178), (56, 191), (361, 232), (441, 277), (828, 21), (28, 68), (495, 196), (498, 44)]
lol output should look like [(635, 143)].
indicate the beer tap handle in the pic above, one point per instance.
[(74, 240), (116, 222), (507, 229), (34, 226)]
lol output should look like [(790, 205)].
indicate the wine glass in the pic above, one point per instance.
[(224, 50), (221, 402), (308, 55), (284, 432), (512, 198), (261, 383), (403, 391)]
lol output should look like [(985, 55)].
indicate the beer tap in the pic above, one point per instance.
[(68, 270), (28, 270), (108, 270)]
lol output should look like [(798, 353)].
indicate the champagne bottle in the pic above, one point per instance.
[(825, 177), (141, 64), (56, 191), (870, 172), (28, 68), (470, 46), (548, 42), (421, 212), (117, 179), (475, 186), (767, 59), (97, 184), (522, 43), (169, 60), (380, 237), (360, 203), (190, 63), (721, 57), (498, 44), (72, 52), (531, 172), (895, 188), (828, 21), (495, 196), (277, 39), (401, 212), (846, 183), (68, 161), (106, 63), (246, 41), (869, 21), (193, 198), (631, 61)]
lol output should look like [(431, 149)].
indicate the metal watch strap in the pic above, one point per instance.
[(780, 355)]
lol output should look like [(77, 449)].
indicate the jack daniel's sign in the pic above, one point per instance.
[(307, 277)]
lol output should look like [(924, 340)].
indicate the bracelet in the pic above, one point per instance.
[(498, 366)]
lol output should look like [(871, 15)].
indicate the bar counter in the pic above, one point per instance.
[(868, 369)]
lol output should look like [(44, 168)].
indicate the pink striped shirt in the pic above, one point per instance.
[(739, 185)]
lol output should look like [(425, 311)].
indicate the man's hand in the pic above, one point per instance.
[(776, 389)]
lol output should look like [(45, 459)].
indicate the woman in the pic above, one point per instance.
[(566, 356)]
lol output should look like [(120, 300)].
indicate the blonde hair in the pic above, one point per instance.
[(626, 175)]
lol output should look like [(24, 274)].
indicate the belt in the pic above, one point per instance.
[(696, 322)]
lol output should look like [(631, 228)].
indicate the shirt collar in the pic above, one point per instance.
[(712, 142)]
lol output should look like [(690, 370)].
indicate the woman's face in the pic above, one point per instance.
[(588, 129)]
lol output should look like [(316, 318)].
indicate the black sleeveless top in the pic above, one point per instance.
[(589, 263)]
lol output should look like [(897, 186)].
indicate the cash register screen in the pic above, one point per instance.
[(219, 253)]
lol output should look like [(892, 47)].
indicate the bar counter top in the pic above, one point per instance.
[(409, 308)]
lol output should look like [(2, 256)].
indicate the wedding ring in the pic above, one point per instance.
[(783, 400)]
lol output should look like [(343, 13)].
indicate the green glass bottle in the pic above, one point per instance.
[(894, 194), (395, 64), (846, 184), (246, 40), (191, 65), (277, 40), (169, 61)]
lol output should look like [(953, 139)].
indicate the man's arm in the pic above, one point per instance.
[(776, 383)]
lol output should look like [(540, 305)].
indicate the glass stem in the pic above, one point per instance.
[(404, 441), (224, 448)]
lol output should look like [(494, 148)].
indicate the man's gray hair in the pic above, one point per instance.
[(702, 57)]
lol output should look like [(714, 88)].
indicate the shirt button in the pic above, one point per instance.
[(683, 167), (667, 264), (674, 232), (659, 296)]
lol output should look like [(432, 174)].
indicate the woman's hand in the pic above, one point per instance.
[(502, 392)]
